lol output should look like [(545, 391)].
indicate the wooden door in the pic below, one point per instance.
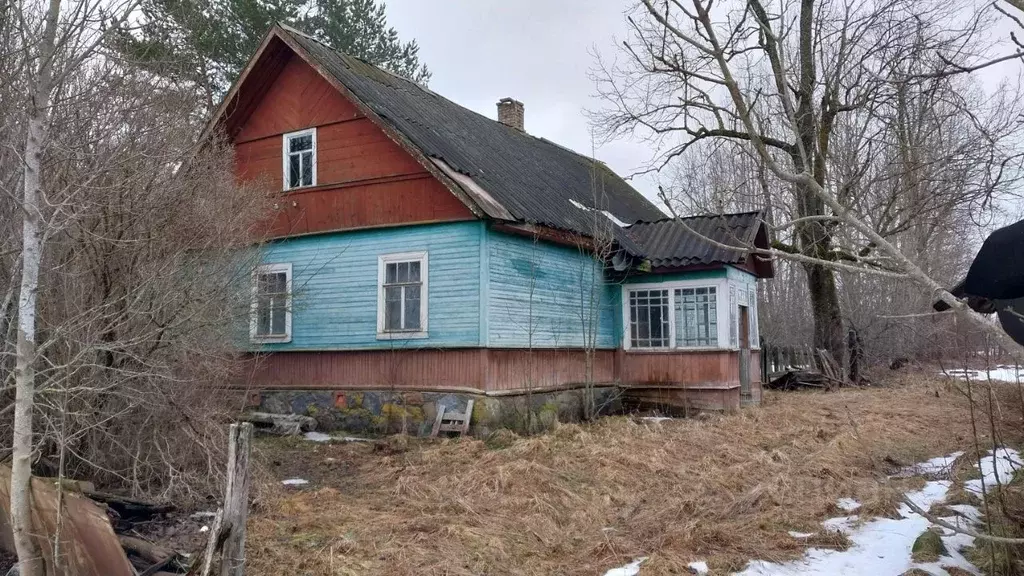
[(744, 320)]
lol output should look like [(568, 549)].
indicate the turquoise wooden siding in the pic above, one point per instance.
[(538, 295), (334, 286)]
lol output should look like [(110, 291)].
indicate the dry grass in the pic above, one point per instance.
[(584, 499)]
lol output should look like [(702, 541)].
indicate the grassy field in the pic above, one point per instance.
[(586, 498)]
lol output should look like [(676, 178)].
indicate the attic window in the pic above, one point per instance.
[(299, 155)]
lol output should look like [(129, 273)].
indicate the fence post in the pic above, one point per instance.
[(236, 500)]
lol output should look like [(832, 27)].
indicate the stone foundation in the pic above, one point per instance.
[(379, 412)]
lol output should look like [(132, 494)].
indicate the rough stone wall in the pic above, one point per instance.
[(387, 412)]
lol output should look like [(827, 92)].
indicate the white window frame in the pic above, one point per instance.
[(271, 338), (382, 261), (721, 286), (285, 155)]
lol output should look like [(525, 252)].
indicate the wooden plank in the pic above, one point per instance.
[(467, 417), (298, 97), (437, 421), (87, 543), (236, 500)]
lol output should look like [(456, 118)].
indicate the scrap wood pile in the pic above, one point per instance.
[(80, 531), (99, 533), (807, 369)]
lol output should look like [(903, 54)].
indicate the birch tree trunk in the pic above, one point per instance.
[(29, 559)]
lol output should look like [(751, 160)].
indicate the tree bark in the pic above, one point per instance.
[(30, 561), (814, 129)]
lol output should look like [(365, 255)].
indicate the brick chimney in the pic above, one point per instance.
[(510, 113)]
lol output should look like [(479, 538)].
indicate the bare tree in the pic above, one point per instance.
[(130, 270), (812, 93)]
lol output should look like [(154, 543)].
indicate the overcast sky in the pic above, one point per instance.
[(536, 51), (540, 52)]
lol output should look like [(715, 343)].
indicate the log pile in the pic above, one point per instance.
[(823, 373)]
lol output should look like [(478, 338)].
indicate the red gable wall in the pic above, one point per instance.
[(363, 178)]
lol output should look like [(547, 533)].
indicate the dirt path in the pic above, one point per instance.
[(588, 498)]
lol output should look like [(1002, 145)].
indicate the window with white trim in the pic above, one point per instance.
[(734, 312), (696, 317), (271, 314), (755, 338), (300, 159), (649, 319), (402, 298)]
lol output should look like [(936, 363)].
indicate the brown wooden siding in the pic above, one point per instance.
[(497, 370), (711, 368), (298, 98), (509, 370), (405, 369), (364, 179)]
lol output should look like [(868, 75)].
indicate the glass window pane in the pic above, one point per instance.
[(307, 168), (390, 273), (412, 307), (403, 272), (263, 317), (414, 271), (393, 308), (278, 283), (277, 316), (294, 170), (300, 143)]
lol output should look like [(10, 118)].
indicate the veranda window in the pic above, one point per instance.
[(696, 317), (649, 318)]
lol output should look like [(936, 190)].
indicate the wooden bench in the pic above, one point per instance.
[(457, 422)]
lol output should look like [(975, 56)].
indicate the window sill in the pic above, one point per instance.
[(401, 335), (271, 339), (302, 188)]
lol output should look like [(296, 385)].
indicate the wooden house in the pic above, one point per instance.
[(421, 255)]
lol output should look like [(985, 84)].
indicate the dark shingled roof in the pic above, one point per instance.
[(532, 178), (669, 243)]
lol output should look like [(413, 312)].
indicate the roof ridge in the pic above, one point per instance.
[(344, 54)]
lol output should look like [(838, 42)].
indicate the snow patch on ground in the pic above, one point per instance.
[(935, 468), (801, 535), (883, 545), (847, 504), (654, 419), (1001, 373), (996, 468), (842, 524), (321, 437), (700, 567), (631, 569), (295, 482)]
